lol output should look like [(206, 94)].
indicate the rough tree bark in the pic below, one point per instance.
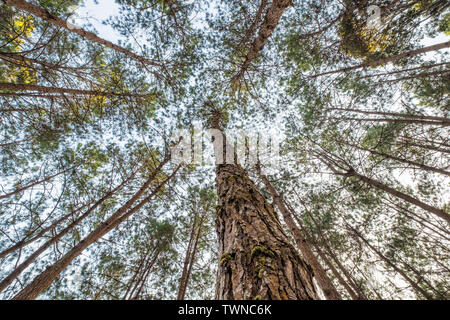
[(257, 260)]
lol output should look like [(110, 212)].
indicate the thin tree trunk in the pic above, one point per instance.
[(23, 243), (424, 122), (194, 253), (143, 279), (393, 266), (47, 16), (322, 278), (350, 280), (135, 275), (420, 277), (330, 24), (336, 273), (406, 138), (352, 173), (269, 24), (416, 217), (43, 89), (394, 114), (45, 279), (19, 269), (46, 179), (389, 59), (416, 164), (190, 254), (23, 61), (187, 257), (420, 75), (436, 211), (423, 146)]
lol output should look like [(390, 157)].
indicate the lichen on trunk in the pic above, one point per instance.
[(257, 261)]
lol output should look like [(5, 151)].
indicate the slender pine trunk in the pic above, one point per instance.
[(393, 266), (20, 268), (190, 254), (389, 59), (412, 163), (45, 279), (47, 16), (320, 274), (436, 211), (271, 19), (67, 91), (24, 242)]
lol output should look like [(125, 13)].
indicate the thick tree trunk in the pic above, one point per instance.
[(257, 260), (250, 32), (320, 274)]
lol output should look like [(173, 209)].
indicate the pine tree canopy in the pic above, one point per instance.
[(225, 149)]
